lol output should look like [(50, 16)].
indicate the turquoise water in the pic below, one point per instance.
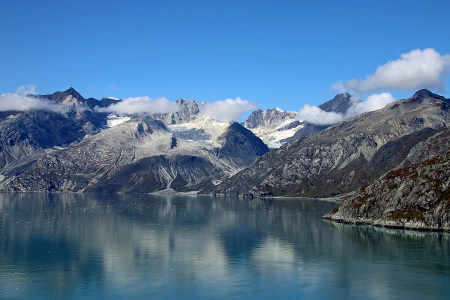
[(68, 246)]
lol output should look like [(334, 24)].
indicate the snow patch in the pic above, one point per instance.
[(202, 128), (114, 120), (273, 137)]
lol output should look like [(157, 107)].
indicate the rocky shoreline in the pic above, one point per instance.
[(416, 197), (385, 224)]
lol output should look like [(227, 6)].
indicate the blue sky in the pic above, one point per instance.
[(274, 53)]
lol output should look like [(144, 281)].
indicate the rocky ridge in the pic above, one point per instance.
[(347, 155)]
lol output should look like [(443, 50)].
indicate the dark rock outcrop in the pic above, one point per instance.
[(339, 104), (416, 197), (241, 145)]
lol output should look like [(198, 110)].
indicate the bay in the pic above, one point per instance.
[(70, 246)]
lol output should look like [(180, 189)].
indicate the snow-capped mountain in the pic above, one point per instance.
[(182, 151), (273, 126), (80, 148), (276, 126)]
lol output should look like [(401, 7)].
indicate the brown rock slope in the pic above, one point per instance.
[(416, 197)]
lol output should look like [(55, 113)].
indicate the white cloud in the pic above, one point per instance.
[(339, 86), (373, 102), (227, 110), (141, 105), (315, 115), (24, 90), (20, 101), (416, 69)]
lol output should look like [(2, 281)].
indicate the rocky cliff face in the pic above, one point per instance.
[(270, 118), (347, 155), (415, 197), (188, 111)]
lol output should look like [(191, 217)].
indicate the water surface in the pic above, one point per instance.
[(178, 247)]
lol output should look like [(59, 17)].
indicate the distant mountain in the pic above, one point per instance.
[(73, 98), (273, 125), (347, 155), (276, 126), (68, 97), (188, 111), (339, 104), (270, 118)]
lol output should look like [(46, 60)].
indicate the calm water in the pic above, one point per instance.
[(141, 247)]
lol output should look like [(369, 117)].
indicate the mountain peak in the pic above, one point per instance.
[(74, 93), (424, 93), (339, 104), (69, 90), (268, 117)]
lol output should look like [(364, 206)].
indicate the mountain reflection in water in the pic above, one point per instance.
[(147, 246)]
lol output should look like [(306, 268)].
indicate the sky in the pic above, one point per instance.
[(260, 53)]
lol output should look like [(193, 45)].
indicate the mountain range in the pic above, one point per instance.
[(80, 148), (272, 153), (347, 155)]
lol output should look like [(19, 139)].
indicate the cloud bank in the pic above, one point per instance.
[(143, 104), (24, 90), (315, 115), (21, 102), (227, 110), (416, 69), (373, 102)]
